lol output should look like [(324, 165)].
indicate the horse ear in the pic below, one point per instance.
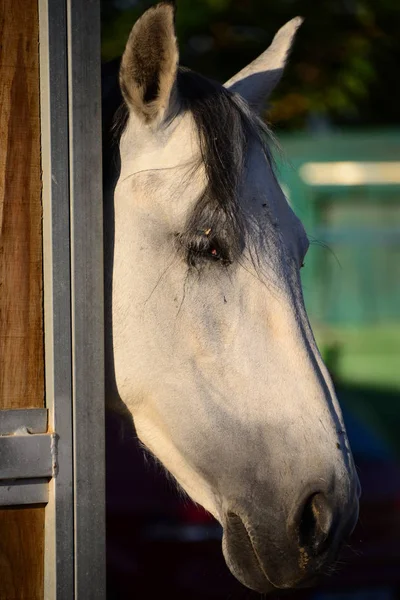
[(257, 81), (150, 62)]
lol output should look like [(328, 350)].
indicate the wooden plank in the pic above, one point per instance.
[(21, 557), (21, 321)]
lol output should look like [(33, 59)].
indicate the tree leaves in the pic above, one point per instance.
[(343, 66)]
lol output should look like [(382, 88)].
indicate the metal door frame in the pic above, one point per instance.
[(56, 455)]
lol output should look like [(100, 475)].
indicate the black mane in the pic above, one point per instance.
[(225, 125)]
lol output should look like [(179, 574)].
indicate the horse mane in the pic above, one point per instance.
[(225, 125)]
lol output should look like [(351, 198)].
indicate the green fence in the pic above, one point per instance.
[(346, 189)]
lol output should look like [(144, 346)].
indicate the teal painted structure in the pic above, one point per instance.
[(352, 270)]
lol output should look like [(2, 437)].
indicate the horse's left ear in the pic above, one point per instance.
[(149, 64), (256, 82)]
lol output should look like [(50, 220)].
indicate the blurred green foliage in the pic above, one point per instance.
[(344, 68)]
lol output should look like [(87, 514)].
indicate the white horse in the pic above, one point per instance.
[(212, 353)]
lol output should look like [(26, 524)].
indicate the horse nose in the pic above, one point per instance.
[(315, 524), (320, 525), (293, 551)]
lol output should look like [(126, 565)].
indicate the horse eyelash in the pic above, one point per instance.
[(212, 253)]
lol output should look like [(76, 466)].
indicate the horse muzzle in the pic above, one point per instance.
[(291, 552)]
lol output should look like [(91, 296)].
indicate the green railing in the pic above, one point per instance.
[(346, 189)]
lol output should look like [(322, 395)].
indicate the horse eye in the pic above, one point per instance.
[(214, 253), (207, 250)]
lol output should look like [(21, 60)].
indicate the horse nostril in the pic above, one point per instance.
[(315, 523)]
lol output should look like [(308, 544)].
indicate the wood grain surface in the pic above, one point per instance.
[(21, 553), (21, 321), (21, 282)]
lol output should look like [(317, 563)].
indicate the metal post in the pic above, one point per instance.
[(84, 80), (59, 525), (73, 282)]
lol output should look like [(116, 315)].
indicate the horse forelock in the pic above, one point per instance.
[(225, 126)]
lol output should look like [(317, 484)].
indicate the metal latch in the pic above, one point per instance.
[(28, 456)]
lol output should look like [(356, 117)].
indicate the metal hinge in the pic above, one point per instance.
[(28, 456)]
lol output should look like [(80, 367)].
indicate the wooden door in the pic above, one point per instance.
[(21, 282)]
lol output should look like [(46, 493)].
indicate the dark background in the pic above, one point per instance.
[(345, 65)]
